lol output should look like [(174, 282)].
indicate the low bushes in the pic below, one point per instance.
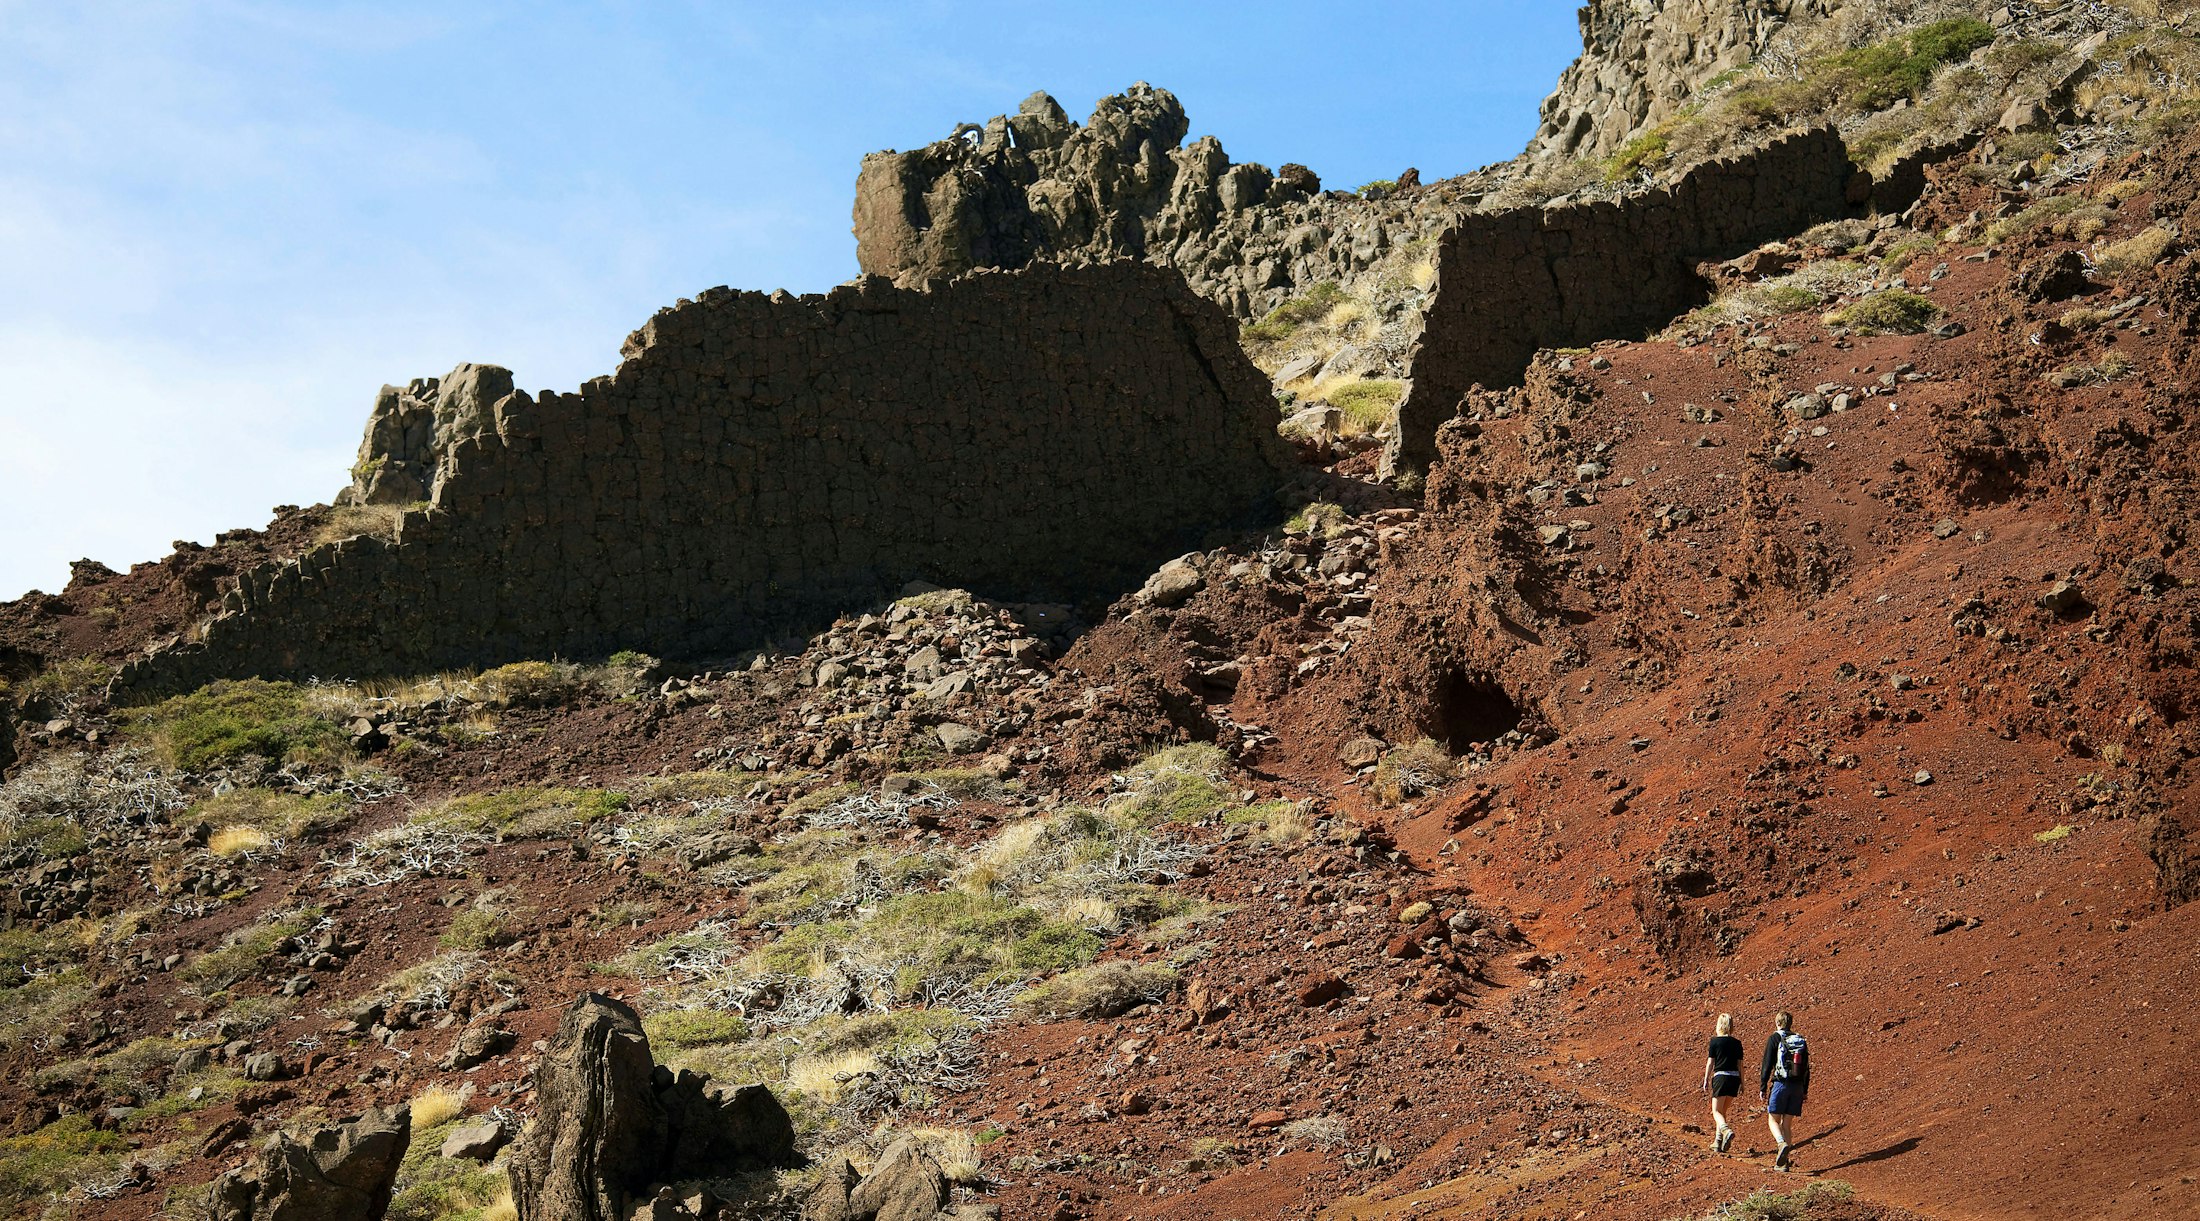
[(234, 721), (521, 812), (1891, 312)]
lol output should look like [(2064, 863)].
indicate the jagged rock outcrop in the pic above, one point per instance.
[(1035, 186), (413, 432), (906, 1184), (761, 463), (345, 1173), (614, 1130), (1642, 60)]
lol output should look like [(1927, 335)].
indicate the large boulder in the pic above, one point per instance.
[(614, 1128), (905, 1185), (344, 1173)]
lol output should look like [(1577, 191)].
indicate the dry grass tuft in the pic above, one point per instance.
[(229, 841), (2135, 254), (826, 1078), (1103, 990), (361, 521), (435, 1106)]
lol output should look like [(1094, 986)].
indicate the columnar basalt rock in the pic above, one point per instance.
[(614, 1129), (1511, 282), (758, 463)]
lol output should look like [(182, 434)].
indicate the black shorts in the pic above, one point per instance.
[(1726, 1087)]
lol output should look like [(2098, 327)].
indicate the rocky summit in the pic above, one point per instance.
[(1186, 691)]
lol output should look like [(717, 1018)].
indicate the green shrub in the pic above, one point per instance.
[(473, 929), (694, 1028), (1410, 771), (242, 953), (1310, 306), (1891, 312), (1875, 77), (1378, 187), (71, 678), (431, 1187), (1321, 519), (1648, 150), (522, 812), (53, 839), (2135, 254), (1366, 403), (56, 1158), (1765, 1204), (1181, 784), (233, 720)]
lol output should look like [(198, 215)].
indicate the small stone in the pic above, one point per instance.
[(2062, 598), (1269, 1119), (1806, 406), (1922, 777), (1362, 752), (1946, 527)]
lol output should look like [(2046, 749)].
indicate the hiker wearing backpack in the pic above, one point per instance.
[(1722, 1079), (1784, 1079)]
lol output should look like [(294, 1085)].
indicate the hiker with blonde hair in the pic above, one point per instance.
[(1784, 1079), (1722, 1079)]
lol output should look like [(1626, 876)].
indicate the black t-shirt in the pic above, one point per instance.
[(1726, 1055)]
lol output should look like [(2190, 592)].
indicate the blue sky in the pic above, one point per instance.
[(223, 225)]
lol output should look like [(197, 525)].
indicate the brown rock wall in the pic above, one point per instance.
[(1511, 282), (757, 463)]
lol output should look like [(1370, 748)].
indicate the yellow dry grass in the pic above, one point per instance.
[(229, 841), (435, 1106), (825, 1078)]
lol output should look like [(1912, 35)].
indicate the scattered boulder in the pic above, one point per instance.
[(614, 1128), (1173, 584), (960, 739), (476, 1044), (344, 1173), (477, 1141), (2054, 277), (905, 1185), (1362, 752), (1321, 989)]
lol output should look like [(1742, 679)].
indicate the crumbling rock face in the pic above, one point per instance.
[(413, 433), (1034, 186), (344, 1173), (760, 464), (614, 1130), (1642, 60)]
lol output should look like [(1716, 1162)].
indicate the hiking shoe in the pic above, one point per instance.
[(1726, 1139), (1780, 1159)]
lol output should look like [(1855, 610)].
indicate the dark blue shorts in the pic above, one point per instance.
[(1784, 1099)]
